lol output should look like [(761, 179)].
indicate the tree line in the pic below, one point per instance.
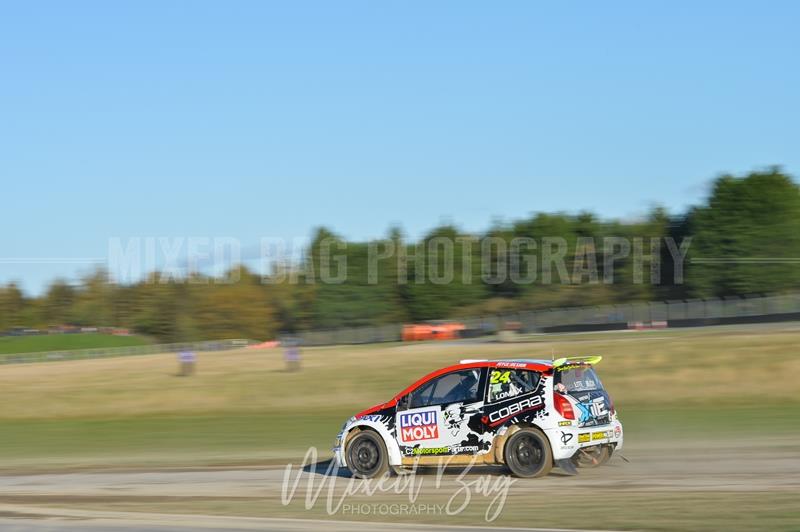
[(741, 241)]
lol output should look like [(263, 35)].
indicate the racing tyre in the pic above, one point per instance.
[(592, 456), (366, 455), (527, 453)]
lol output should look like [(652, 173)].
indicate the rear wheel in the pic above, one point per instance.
[(594, 456), (527, 453), (366, 455)]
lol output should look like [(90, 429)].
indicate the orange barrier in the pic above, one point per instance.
[(432, 331), (265, 345)]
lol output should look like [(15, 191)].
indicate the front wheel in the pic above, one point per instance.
[(366, 455), (527, 453)]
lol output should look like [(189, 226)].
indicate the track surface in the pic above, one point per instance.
[(45, 502)]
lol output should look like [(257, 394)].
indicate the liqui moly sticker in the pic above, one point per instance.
[(418, 426)]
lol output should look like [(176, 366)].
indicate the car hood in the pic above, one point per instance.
[(376, 408)]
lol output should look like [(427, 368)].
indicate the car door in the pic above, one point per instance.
[(443, 415), (513, 395)]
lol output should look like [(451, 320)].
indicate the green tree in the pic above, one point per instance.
[(443, 275), (12, 307), (751, 223), (57, 304)]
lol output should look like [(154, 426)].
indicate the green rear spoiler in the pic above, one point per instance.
[(563, 363)]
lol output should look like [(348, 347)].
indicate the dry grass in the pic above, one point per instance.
[(661, 368)]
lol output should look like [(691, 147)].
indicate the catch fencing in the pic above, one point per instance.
[(687, 313)]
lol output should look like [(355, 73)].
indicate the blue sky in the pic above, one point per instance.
[(251, 119)]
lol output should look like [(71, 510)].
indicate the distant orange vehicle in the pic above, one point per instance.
[(432, 331)]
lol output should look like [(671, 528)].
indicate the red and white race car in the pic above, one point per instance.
[(527, 414)]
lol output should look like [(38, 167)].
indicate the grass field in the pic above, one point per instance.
[(65, 342), (674, 389), (242, 405)]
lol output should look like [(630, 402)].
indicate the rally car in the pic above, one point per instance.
[(526, 414)]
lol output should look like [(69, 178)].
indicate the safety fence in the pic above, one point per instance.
[(687, 313)]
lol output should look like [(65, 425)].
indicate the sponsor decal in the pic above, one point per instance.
[(568, 367), (458, 449), (513, 409), (453, 417), (452, 449), (512, 365), (371, 417), (601, 435), (594, 409), (427, 450), (416, 426), (617, 431), (583, 438), (565, 423), (566, 437)]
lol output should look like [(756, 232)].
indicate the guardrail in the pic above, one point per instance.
[(693, 312), (102, 352)]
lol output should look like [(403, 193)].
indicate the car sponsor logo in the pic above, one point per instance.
[(417, 451), (566, 437), (594, 409), (453, 417), (565, 423), (513, 409), (568, 367), (417, 426), (458, 449), (585, 437), (617, 431), (601, 435), (452, 449)]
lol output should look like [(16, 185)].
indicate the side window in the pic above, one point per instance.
[(456, 387), (507, 383)]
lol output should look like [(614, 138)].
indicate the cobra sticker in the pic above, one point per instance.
[(515, 408), (417, 426)]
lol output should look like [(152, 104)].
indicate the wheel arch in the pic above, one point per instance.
[(393, 450), (498, 445)]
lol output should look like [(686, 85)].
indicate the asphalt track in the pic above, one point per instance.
[(51, 501)]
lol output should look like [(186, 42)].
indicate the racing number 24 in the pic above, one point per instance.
[(499, 376)]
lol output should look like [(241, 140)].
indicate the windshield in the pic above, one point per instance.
[(579, 379)]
